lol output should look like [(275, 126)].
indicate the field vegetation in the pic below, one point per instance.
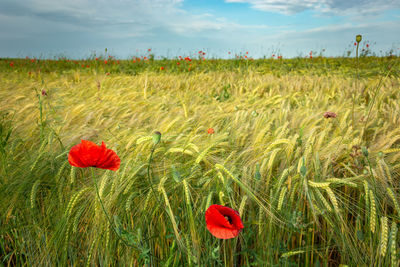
[(311, 190)]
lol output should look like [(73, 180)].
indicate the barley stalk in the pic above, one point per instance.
[(333, 199), (209, 197), (281, 197), (89, 258), (33, 193), (393, 244), (292, 253), (393, 197), (260, 220), (373, 211), (242, 205), (129, 202), (72, 175), (318, 184), (76, 220), (171, 216), (384, 236), (221, 198), (74, 200), (322, 198)]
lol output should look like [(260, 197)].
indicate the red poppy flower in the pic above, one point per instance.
[(223, 222), (367, 45), (88, 154), (210, 131), (355, 43)]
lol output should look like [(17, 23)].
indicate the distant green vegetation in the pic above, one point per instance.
[(369, 66), (310, 190)]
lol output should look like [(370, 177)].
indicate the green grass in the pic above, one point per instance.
[(307, 193)]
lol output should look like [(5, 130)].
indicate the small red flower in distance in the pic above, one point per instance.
[(11, 64), (107, 73), (229, 53), (223, 222), (367, 45), (44, 93), (105, 61), (355, 43), (330, 114), (177, 63), (149, 50), (210, 131), (162, 68), (88, 154)]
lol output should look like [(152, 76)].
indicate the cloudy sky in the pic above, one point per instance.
[(81, 28)]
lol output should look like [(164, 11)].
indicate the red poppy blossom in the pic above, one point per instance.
[(223, 222), (88, 154), (210, 131), (367, 45), (355, 43), (330, 114)]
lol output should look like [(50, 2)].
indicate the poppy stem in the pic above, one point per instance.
[(148, 174)]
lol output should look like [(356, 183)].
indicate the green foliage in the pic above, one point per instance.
[(311, 191)]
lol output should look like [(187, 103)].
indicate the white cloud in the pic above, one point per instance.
[(337, 7)]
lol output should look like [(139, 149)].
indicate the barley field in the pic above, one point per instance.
[(312, 188)]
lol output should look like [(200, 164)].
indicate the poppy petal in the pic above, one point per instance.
[(88, 154), (223, 222)]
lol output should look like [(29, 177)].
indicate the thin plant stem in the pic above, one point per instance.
[(148, 174)]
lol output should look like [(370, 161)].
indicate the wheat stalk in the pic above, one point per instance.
[(373, 212)]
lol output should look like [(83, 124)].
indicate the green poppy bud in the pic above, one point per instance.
[(156, 137), (358, 38)]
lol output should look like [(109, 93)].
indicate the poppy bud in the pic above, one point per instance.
[(358, 38), (156, 137)]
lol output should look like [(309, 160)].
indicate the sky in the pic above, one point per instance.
[(127, 28)]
